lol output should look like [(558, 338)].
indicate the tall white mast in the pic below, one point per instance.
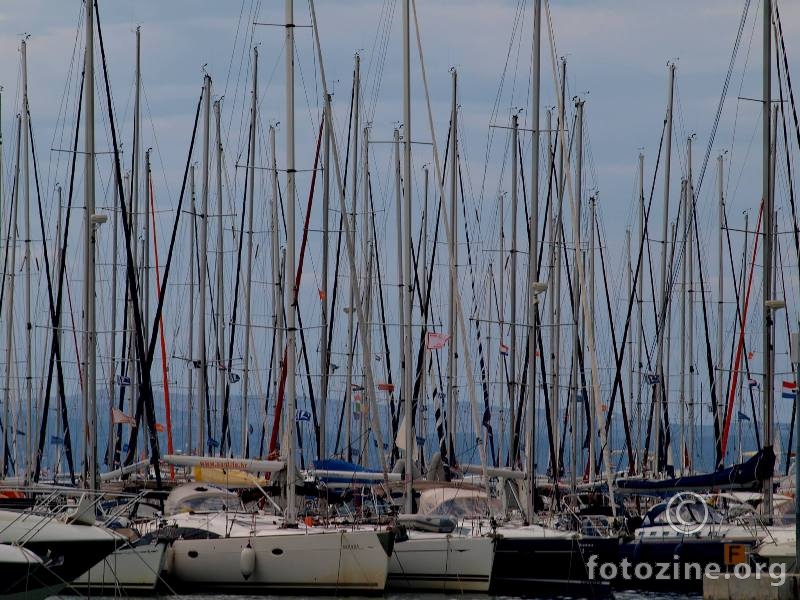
[(592, 412), (661, 386), (190, 392), (366, 255), (112, 342), (200, 355), (576, 291), (352, 301), (683, 338), (249, 269), (290, 267), (407, 392), (720, 293), (690, 317), (639, 326), (277, 275), (29, 460), (533, 262), (452, 393), (221, 366), (555, 293), (766, 192), (512, 384), (324, 351), (89, 343)]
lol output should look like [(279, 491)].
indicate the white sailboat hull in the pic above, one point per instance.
[(131, 569), (442, 562), (288, 560)]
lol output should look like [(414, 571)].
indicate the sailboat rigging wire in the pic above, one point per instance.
[(724, 94), (225, 434), (146, 388), (487, 412), (739, 323), (55, 318)]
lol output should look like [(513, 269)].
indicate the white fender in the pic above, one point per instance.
[(247, 561)]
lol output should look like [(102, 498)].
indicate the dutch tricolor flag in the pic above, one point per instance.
[(790, 390)]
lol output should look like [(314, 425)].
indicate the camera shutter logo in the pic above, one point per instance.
[(675, 510)]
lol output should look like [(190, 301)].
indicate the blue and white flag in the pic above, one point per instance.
[(233, 377), (123, 380), (302, 415), (653, 378)]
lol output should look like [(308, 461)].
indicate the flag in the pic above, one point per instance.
[(789, 390), (652, 379), (56, 440), (197, 364), (386, 387), (233, 377), (321, 294), (503, 349), (378, 357), (789, 385), (743, 417), (123, 380), (436, 341), (120, 418), (302, 415), (212, 443), (334, 367), (752, 383), (356, 388), (750, 355), (160, 428)]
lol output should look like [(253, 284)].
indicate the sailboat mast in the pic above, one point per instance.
[(29, 460), (720, 291), (220, 371), (191, 258), (366, 258), (683, 338), (277, 276), (766, 192), (406, 263), (661, 386), (352, 301), (576, 292), (452, 399), (512, 384), (112, 342), (555, 293), (533, 262), (243, 449), (639, 327), (89, 381), (592, 405), (324, 351), (290, 268), (690, 317), (202, 381)]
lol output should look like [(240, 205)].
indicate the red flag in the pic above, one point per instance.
[(386, 387), (159, 428), (436, 341)]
